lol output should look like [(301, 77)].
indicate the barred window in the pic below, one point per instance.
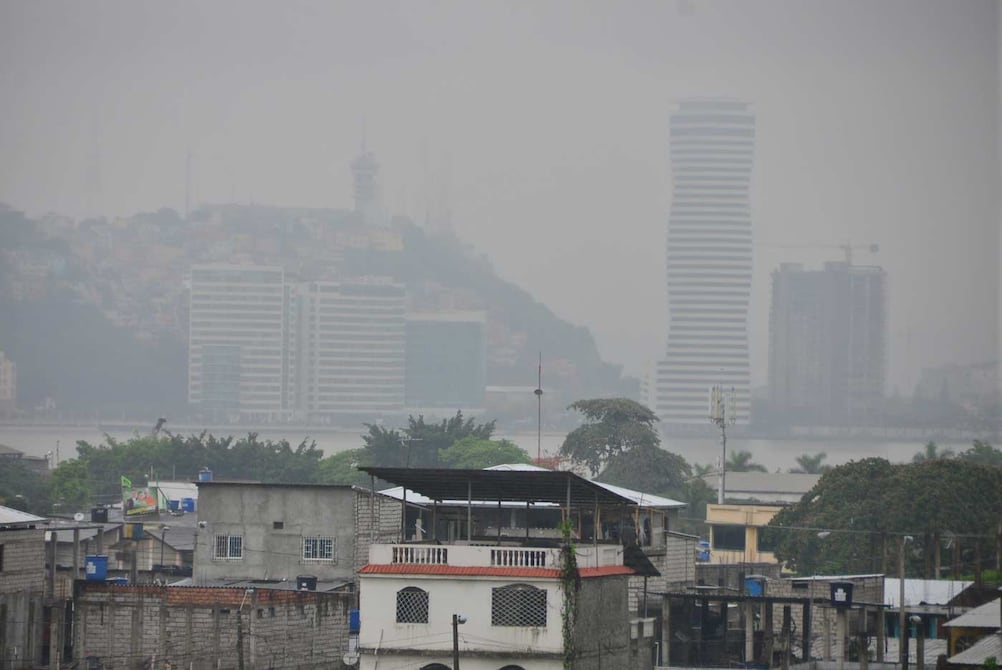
[(518, 605), (229, 546), (318, 548), (412, 605)]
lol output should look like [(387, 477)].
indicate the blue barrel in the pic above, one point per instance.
[(96, 567), (173, 505), (188, 504), (205, 475)]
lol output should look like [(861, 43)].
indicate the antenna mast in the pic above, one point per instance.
[(539, 410)]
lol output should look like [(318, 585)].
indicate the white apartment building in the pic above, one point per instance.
[(516, 604), (348, 353), (236, 338)]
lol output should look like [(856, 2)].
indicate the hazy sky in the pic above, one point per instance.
[(544, 127)]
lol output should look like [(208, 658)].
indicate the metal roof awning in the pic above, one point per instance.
[(550, 486)]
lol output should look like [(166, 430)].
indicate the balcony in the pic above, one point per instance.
[(588, 556)]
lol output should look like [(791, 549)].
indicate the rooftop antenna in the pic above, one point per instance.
[(539, 410)]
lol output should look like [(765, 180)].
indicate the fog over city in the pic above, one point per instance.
[(540, 133)]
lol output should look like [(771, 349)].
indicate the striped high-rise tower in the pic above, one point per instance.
[(709, 260)]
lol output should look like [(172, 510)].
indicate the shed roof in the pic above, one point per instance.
[(985, 616), (637, 497), (441, 484), (923, 591), (14, 518), (979, 652)]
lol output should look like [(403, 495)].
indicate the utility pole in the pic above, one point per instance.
[(539, 410), (456, 620), (902, 618), (721, 416)]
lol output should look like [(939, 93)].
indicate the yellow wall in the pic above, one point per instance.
[(752, 517)]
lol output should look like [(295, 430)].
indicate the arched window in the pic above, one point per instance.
[(518, 605), (412, 605)]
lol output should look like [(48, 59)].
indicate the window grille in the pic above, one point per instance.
[(229, 546), (320, 548), (412, 605), (518, 605)]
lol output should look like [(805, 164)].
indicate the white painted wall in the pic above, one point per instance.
[(470, 596)]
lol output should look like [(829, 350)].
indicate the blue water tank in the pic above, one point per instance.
[(755, 586), (188, 504), (354, 621), (173, 505), (96, 567), (205, 475)]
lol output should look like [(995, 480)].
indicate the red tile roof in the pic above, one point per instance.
[(485, 571)]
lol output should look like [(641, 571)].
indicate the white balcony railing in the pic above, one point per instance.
[(588, 556)]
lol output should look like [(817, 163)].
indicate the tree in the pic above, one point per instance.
[(741, 461), (864, 503), (472, 452), (420, 443), (70, 487), (811, 464), (613, 426), (647, 468), (384, 447), (931, 453), (982, 453), (341, 468)]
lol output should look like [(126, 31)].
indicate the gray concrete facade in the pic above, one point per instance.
[(274, 531)]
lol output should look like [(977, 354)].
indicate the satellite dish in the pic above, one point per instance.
[(78, 516), (351, 658)]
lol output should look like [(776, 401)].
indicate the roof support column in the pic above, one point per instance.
[(469, 511)]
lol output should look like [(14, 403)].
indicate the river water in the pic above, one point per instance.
[(774, 454)]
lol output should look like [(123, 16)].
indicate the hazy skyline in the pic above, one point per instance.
[(544, 129)]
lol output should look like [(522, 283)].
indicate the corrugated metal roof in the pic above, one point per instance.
[(541, 485), (636, 497), (922, 591), (15, 517), (985, 616), (486, 571), (980, 652)]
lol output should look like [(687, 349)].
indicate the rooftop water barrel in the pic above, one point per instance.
[(99, 515), (188, 504), (306, 583), (173, 505), (205, 475), (96, 567)]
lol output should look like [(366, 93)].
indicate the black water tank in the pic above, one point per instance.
[(306, 583), (99, 515)]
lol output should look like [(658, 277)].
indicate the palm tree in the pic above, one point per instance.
[(931, 453), (741, 461), (811, 465)]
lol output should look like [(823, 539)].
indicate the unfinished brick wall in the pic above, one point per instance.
[(199, 627), (377, 521)]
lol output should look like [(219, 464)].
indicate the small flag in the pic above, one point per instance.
[(126, 482)]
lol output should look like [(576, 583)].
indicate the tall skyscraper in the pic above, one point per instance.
[(709, 260), (236, 340), (827, 344)]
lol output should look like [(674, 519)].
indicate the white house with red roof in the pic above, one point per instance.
[(501, 602)]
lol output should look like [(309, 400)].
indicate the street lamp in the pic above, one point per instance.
[(456, 620)]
